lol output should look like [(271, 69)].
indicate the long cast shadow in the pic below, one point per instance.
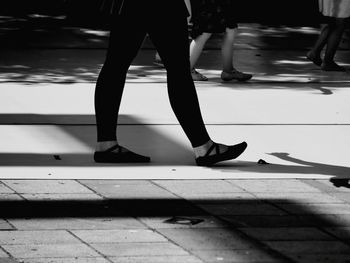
[(132, 133), (307, 168), (231, 222)]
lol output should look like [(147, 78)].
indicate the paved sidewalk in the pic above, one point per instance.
[(295, 116), (174, 221)]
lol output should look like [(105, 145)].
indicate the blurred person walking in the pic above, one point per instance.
[(336, 13), (210, 17)]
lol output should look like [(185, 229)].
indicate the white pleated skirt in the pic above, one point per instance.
[(335, 8)]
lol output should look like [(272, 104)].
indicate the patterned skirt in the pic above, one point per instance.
[(212, 16)]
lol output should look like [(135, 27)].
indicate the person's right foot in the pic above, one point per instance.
[(314, 59), (196, 76), (332, 66), (236, 75), (119, 154), (211, 158)]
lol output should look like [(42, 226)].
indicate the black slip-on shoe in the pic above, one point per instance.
[(119, 156), (232, 152)]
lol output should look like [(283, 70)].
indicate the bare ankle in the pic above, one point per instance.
[(202, 149)]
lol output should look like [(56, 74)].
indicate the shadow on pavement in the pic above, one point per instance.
[(132, 133), (145, 140), (275, 229)]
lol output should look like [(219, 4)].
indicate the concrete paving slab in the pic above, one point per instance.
[(236, 208), (195, 187), (156, 259), (316, 209), (10, 197), (341, 258), (162, 222), (286, 233), (119, 236), (99, 223), (55, 251), (140, 249), (65, 260), (62, 197), (268, 221), (45, 187), (3, 255), (309, 247), (299, 198), (215, 198), (5, 190), (235, 256), (207, 238), (326, 220), (145, 190), (4, 225), (37, 238), (275, 185), (8, 260), (342, 196), (339, 232), (327, 186)]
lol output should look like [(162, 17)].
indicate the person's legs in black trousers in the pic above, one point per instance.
[(167, 27)]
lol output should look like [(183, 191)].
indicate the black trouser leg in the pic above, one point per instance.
[(125, 41), (171, 40)]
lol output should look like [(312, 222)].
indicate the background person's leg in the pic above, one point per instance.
[(229, 72), (227, 49), (315, 53), (196, 48), (334, 38)]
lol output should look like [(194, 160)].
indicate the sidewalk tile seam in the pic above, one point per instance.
[(91, 189), (87, 244)]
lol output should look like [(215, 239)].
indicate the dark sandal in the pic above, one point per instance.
[(232, 152), (332, 66), (109, 156)]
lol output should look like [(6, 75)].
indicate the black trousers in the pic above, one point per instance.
[(166, 24)]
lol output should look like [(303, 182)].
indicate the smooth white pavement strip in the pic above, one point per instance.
[(148, 103), (65, 152)]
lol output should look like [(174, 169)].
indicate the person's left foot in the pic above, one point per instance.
[(119, 154), (314, 59), (332, 66)]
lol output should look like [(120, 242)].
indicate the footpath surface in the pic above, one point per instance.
[(55, 206)]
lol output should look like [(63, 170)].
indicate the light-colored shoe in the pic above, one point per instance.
[(235, 74), (196, 76)]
